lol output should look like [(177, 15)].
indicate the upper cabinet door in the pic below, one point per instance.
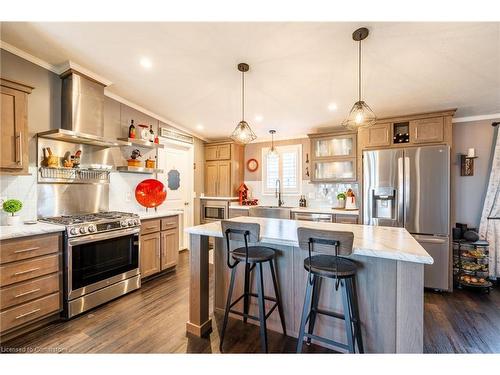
[(224, 183), (14, 127), (211, 178), (224, 152), (334, 146), (211, 152), (378, 135), (427, 130)]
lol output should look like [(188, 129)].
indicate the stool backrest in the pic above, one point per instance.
[(324, 241), (237, 231)]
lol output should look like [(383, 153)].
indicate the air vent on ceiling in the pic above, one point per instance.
[(176, 136)]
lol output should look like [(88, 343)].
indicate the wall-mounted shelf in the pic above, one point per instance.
[(140, 143), (127, 169)]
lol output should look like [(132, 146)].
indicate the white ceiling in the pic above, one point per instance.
[(296, 69)]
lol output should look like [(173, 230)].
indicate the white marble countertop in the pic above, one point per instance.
[(372, 241), (319, 210), (154, 215), (24, 230)]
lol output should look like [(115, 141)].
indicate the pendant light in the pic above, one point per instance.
[(272, 151), (243, 133), (361, 114)]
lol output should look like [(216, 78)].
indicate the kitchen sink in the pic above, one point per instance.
[(274, 212)]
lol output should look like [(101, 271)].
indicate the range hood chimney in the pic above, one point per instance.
[(82, 111)]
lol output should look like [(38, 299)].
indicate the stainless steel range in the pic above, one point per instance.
[(101, 258)]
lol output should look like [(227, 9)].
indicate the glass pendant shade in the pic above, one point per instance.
[(243, 133), (272, 151), (361, 115)]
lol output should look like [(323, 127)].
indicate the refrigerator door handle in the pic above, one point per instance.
[(400, 193), (407, 191)]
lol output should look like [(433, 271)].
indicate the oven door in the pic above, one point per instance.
[(99, 260)]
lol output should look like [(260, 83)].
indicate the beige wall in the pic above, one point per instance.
[(254, 151), (470, 190)]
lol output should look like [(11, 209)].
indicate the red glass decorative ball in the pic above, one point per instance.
[(150, 193)]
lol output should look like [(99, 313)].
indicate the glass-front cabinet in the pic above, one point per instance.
[(333, 157)]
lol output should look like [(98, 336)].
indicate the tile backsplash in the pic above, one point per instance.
[(23, 188), (317, 195)]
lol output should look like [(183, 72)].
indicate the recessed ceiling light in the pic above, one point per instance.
[(259, 118), (200, 127), (332, 107), (146, 63)]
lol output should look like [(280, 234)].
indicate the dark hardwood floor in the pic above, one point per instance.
[(152, 320)]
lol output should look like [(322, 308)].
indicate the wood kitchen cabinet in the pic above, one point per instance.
[(378, 135), (30, 282), (427, 130), (224, 169), (218, 179), (159, 245), (14, 156), (346, 219)]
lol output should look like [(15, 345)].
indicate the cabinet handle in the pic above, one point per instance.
[(19, 148), (28, 313), (26, 250), (153, 227), (26, 293), (27, 271)]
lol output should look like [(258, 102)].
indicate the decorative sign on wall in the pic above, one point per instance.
[(174, 179)]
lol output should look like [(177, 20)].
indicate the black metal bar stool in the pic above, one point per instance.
[(252, 257), (336, 267)]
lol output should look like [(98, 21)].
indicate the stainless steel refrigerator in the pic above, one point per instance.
[(410, 188)]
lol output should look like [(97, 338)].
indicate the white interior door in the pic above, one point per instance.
[(176, 160)]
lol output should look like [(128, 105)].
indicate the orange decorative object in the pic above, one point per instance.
[(242, 193), (150, 193)]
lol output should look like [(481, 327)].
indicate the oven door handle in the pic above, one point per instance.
[(103, 236)]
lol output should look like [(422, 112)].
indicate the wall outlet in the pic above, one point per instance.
[(128, 196)]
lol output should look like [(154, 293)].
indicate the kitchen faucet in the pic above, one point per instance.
[(277, 192)]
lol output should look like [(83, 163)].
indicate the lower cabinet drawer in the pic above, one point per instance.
[(28, 247), (346, 219), (150, 226), (170, 222), (29, 290), (28, 269), (28, 312)]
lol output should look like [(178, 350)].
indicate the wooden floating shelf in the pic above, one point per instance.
[(140, 143), (127, 169)]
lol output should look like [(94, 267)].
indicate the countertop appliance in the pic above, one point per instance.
[(101, 258), (410, 188)]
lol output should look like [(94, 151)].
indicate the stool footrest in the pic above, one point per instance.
[(327, 341)]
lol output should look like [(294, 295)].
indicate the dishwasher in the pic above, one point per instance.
[(325, 218)]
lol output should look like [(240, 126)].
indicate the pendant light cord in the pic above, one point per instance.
[(359, 72), (242, 96)]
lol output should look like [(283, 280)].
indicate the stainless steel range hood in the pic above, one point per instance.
[(82, 112)]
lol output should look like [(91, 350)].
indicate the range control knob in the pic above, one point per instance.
[(123, 223), (92, 228), (83, 230), (73, 231), (136, 221), (131, 223)]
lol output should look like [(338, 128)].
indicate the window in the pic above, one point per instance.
[(286, 167)]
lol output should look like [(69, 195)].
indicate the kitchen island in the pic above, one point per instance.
[(390, 282)]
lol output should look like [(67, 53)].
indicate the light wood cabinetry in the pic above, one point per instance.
[(427, 130), (14, 157), (378, 135), (224, 169), (30, 281), (150, 254), (159, 245), (333, 157), (345, 219)]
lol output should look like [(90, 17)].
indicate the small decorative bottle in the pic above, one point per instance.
[(151, 134), (131, 129)]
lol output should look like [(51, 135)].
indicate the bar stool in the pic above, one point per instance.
[(252, 257), (336, 267)]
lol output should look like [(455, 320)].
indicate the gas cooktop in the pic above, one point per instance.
[(85, 224)]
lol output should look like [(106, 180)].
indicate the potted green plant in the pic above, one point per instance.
[(12, 206), (341, 200)]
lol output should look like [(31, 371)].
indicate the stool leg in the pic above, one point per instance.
[(314, 306), (347, 316), (355, 310), (246, 291), (305, 313), (278, 296), (228, 304), (262, 308)]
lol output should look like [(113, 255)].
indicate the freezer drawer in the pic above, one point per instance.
[(436, 275)]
